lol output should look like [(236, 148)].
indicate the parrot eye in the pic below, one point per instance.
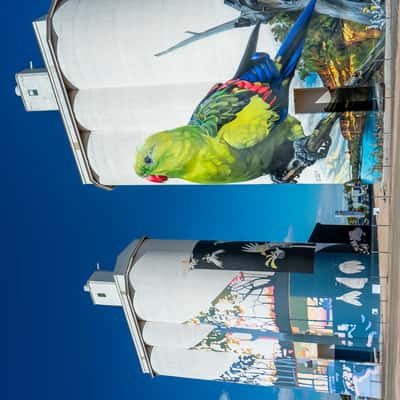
[(148, 160)]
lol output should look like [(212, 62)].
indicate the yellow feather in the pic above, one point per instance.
[(251, 125)]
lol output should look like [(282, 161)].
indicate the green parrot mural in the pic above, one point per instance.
[(241, 130)]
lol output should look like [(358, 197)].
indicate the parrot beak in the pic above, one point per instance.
[(157, 178)]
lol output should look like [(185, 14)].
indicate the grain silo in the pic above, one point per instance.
[(298, 315), (213, 91)]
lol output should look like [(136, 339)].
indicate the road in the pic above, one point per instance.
[(392, 187)]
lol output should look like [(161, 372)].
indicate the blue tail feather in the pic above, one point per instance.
[(261, 68), (292, 47), (288, 67)]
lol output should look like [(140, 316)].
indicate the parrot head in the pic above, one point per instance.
[(166, 154)]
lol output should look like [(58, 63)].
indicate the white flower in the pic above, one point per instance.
[(356, 234)]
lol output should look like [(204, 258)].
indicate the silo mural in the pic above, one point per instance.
[(236, 99), (228, 311)]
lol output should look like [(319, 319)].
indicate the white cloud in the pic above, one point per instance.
[(224, 396), (290, 235)]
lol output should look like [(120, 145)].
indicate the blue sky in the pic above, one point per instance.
[(58, 345)]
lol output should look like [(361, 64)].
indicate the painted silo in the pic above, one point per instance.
[(217, 92), (303, 315)]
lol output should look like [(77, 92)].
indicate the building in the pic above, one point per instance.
[(287, 314), (111, 72), (347, 213)]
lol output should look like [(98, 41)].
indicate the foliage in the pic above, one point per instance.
[(324, 42)]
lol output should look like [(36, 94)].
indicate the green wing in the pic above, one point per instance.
[(291, 128), (242, 119), (251, 125), (219, 108)]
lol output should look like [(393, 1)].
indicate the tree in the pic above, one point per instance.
[(326, 49)]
